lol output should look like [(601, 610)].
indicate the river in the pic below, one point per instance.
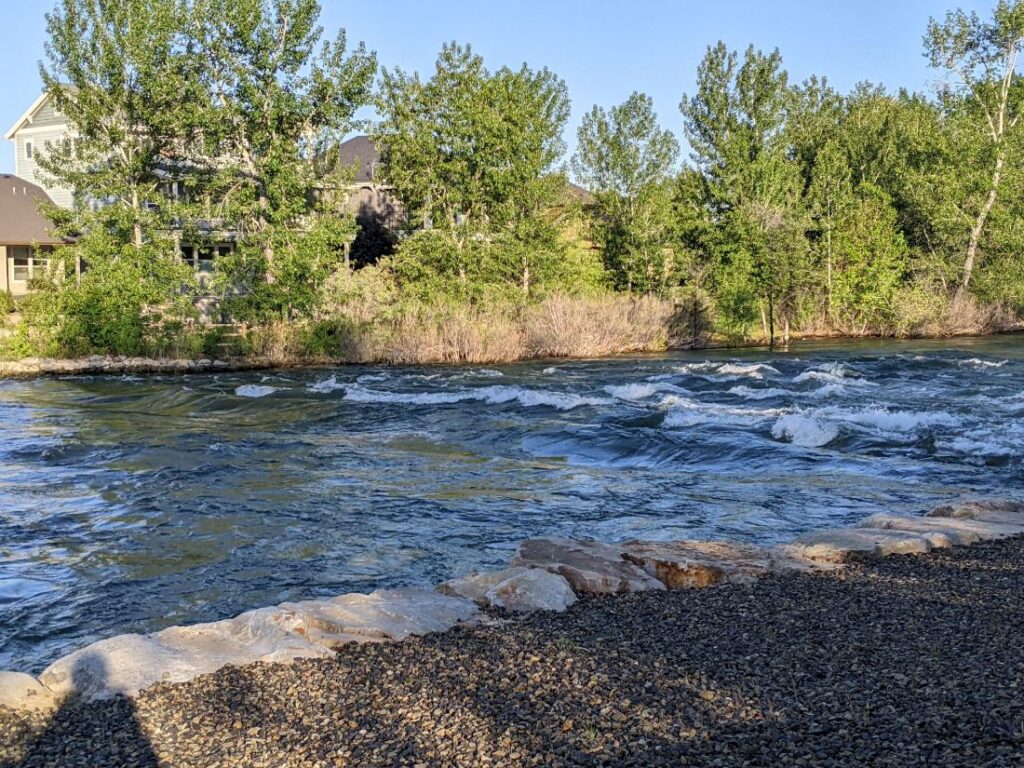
[(131, 504)]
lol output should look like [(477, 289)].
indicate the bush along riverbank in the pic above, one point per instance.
[(830, 590)]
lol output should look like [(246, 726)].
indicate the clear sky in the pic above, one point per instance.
[(604, 49)]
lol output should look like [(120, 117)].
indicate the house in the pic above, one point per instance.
[(25, 240), (379, 214), (40, 126)]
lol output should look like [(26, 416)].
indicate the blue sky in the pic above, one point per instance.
[(604, 49)]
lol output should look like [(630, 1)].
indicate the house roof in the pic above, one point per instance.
[(27, 117), (360, 152), (20, 220)]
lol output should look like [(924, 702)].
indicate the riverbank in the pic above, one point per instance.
[(123, 365), (906, 661)]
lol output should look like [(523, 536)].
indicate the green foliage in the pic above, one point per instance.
[(119, 304), (627, 161)]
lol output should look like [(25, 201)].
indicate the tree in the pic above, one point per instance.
[(982, 58), (119, 74), (752, 185), (473, 155), (275, 98), (627, 161)]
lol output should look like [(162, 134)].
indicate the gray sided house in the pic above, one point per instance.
[(40, 126), (25, 240)]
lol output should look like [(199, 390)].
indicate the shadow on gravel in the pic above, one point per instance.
[(101, 734)]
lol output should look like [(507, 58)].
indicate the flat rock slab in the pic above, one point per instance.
[(128, 664), (393, 614), (836, 545), (514, 589), (588, 566), (1002, 511), (697, 564), (959, 530), (23, 692)]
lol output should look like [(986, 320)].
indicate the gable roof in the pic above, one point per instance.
[(27, 117), (20, 220), (359, 151)]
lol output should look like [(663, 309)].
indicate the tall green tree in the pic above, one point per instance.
[(981, 57), (474, 156), (276, 96), (120, 75), (627, 161), (752, 189)]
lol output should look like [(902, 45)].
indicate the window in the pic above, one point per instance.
[(25, 266), (28, 150)]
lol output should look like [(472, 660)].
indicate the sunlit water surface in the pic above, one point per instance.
[(130, 504)]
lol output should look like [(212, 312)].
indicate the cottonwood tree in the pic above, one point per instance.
[(752, 189), (276, 96), (119, 74), (627, 162), (981, 58), (473, 155)]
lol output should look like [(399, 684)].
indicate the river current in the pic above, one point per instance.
[(131, 504)]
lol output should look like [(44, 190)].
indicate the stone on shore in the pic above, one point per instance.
[(393, 614), (23, 692), (588, 566), (1001, 511), (128, 664), (697, 564), (960, 530), (837, 544), (519, 590)]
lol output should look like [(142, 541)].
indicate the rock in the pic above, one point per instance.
[(837, 544), (960, 530), (23, 692), (588, 566), (1004, 511), (514, 589), (382, 615), (128, 664), (534, 590), (696, 564)]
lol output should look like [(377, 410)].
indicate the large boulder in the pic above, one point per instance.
[(696, 564), (837, 544), (959, 530), (1001, 511), (23, 692), (588, 566), (128, 664), (393, 614), (514, 589)]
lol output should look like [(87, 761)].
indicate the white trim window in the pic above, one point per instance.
[(29, 150)]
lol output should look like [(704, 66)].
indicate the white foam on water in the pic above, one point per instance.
[(685, 412), (550, 371), (750, 393), (640, 391), (752, 370), (255, 390), (805, 431), (496, 395), (368, 378), (327, 385), (979, 364), (889, 420)]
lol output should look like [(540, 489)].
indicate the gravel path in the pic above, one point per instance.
[(914, 661)]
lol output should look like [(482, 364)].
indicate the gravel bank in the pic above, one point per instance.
[(911, 661)]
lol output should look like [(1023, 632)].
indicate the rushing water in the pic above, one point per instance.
[(129, 504)]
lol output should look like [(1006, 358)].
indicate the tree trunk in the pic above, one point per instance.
[(136, 224), (979, 225), (771, 323), (526, 278), (264, 226)]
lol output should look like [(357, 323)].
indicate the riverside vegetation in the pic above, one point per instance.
[(801, 210)]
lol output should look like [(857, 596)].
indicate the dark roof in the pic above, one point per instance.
[(360, 152), (20, 220)]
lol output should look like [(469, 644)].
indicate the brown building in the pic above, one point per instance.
[(25, 240)]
